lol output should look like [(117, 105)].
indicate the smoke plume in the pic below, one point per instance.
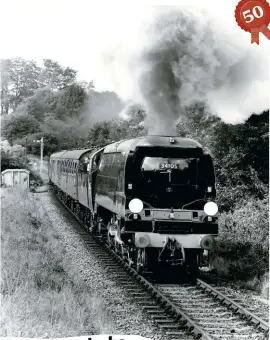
[(184, 58)]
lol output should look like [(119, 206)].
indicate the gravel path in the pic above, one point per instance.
[(115, 311)]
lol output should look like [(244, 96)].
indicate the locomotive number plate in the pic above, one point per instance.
[(168, 166)]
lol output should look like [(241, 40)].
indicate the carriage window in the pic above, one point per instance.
[(83, 167)]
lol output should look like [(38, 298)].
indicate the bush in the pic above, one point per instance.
[(12, 157), (243, 242), (11, 161)]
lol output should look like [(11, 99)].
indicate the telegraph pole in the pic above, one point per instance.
[(26, 148), (41, 153)]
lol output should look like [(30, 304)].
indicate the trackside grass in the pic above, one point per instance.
[(38, 297)]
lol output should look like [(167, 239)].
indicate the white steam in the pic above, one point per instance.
[(185, 56)]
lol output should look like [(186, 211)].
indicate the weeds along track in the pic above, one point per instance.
[(182, 311)]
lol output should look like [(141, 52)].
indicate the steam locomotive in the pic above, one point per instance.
[(150, 198)]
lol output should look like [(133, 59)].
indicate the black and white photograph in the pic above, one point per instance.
[(134, 169)]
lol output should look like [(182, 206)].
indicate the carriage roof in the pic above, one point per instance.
[(71, 154)]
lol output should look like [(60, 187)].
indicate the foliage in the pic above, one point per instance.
[(57, 107), (70, 101), (19, 126), (243, 242), (242, 161), (11, 161), (247, 142), (39, 104), (200, 125), (112, 131), (19, 80), (56, 77)]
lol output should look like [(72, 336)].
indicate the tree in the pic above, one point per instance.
[(56, 77), (4, 88), (70, 101), (19, 80), (198, 124), (10, 160), (39, 104), (100, 134), (248, 141), (15, 127)]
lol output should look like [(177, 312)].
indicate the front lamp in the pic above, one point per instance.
[(135, 205), (210, 208)]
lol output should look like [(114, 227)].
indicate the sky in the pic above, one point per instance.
[(102, 39), (79, 33)]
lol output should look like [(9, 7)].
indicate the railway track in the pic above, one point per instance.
[(182, 311)]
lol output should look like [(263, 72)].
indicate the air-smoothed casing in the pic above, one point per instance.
[(119, 175)]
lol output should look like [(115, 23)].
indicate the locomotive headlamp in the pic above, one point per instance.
[(210, 208), (141, 240), (135, 205)]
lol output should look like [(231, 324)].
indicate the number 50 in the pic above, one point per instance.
[(257, 12)]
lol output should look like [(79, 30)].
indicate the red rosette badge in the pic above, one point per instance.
[(253, 16)]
